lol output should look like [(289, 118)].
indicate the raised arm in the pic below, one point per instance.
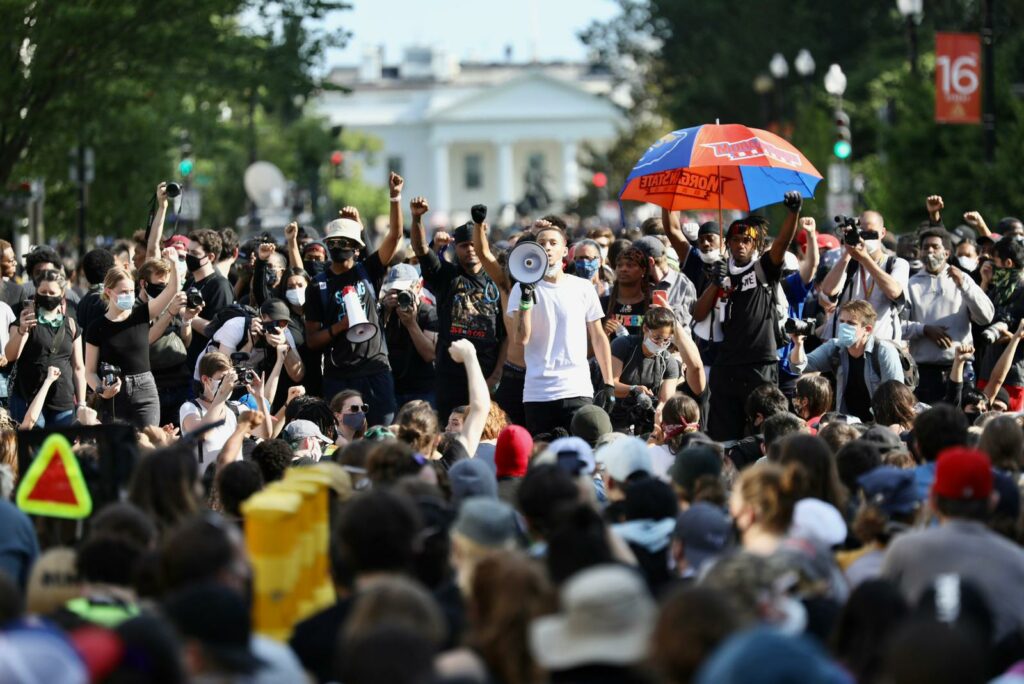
[(696, 378), (463, 351), (809, 264), (291, 242), (158, 304), (417, 233), (483, 252), (389, 245), (674, 231), (156, 229), (974, 220), (935, 205), (793, 202), (39, 400), (1002, 368)]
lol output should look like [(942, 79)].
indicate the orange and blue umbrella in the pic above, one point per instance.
[(719, 166)]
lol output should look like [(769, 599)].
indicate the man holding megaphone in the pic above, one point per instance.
[(553, 316)]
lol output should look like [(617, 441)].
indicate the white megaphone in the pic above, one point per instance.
[(359, 329), (528, 262)]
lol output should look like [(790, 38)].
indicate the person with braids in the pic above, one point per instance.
[(630, 296), (744, 293)]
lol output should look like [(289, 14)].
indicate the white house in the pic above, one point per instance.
[(469, 133)]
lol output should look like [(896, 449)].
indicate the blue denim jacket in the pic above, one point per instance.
[(831, 357)]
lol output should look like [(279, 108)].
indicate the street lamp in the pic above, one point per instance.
[(778, 67), (763, 86), (835, 81), (911, 11), (804, 63)]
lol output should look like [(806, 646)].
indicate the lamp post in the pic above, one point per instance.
[(763, 85), (779, 69), (804, 63), (911, 11)]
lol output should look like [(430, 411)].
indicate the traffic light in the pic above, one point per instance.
[(600, 179), (843, 146)]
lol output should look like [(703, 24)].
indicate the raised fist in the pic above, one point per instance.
[(395, 182), (350, 213), (291, 231), (266, 250), (808, 224), (793, 201), (419, 206), (934, 204)]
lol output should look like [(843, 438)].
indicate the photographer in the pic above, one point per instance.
[(169, 337), (865, 272), (860, 361), (1003, 280), (363, 366), (942, 303), (644, 373), (46, 335), (117, 348), (203, 251), (410, 328), (747, 287)]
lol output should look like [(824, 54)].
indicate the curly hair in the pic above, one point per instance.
[(497, 420), (636, 255)]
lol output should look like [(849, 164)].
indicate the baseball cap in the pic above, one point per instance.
[(574, 444), (705, 530), (463, 233), (882, 437), (625, 457), (825, 240), (962, 473), (708, 228), (216, 617), (590, 423), (963, 232), (344, 228), (401, 277), (651, 246), (692, 462), (301, 429), (177, 241), (472, 477), (276, 310), (890, 489)]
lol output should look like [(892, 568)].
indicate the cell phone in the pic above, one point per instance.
[(570, 462), (659, 298)]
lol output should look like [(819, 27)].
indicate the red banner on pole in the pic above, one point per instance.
[(957, 78)]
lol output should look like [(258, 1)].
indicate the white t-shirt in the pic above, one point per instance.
[(556, 355), (7, 319), (231, 335), (213, 440)]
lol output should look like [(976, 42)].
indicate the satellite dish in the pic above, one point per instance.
[(265, 185)]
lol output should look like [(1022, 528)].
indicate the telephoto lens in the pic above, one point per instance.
[(405, 299), (173, 189)]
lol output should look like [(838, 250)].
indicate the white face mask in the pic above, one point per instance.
[(967, 263), (653, 347), (709, 257), (296, 296), (604, 253), (873, 246)]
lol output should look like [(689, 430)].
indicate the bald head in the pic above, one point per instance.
[(872, 220)]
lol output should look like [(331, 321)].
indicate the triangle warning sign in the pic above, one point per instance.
[(54, 485)]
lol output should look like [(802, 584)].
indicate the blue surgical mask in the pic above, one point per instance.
[(847, 335), (353, 421), (125, 301), (587, 268)]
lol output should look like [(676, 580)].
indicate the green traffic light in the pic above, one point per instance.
[(842, 149), (185, 167)]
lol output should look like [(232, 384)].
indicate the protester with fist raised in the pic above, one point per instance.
[(743, 294)]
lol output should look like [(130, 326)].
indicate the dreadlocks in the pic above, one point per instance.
[(633, 254)]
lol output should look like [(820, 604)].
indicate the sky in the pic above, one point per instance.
[(469, 29)]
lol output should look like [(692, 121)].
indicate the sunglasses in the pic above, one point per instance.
[(356, 408), (278, 324), (341, 244)]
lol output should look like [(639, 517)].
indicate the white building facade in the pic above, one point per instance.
[(468, 134)]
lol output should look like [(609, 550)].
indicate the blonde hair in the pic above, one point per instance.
[(497, 419), (114, 276), (213, 362), (860, 310)]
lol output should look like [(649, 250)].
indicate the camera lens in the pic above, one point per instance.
[(173, 189)]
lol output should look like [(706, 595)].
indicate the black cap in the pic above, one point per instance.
[(218, 618), (708, 228), (275, 310), (463, 233)]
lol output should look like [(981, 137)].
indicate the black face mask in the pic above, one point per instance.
[(193, 263), (48, 302), (154, 289), (271, 278), (315, 268), (340, 254)]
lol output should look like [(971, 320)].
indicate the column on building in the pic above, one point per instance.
[(506, 173), (441, 201), (570, 171)]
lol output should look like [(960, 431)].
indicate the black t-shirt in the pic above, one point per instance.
[(91, 307), (468, 307), (630, 315), (748, 328), (124, 344), (411, 372), (342, 359), (639, 369), (47, 346), (217, 294), (13, 294), (856, 396), (696, 270)]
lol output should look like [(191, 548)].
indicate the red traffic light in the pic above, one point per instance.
[(337, 157), (599, 180)]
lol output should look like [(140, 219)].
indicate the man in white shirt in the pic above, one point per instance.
[(864, 271), (553, 320)]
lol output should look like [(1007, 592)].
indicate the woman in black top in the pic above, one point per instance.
[(121, 339), (45, 336)]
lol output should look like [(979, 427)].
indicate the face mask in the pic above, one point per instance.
[(353, 421), (340, 254), (847, 336), (653, 347), (1001, 277), (553, 271), (587, 268), (296, 296), (193, 263), (967, 263), (48, 302), (270, 278), (933, 262), (125, 301), (709, 257), (873, 246), (154, 290), (314, 268), (604, 253)]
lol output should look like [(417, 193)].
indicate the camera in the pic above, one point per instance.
[(173, 189), (852, 233), (243, 372), (406, 300), (993, 332), (193, 298), (108, 373), (799, 326), (640, 407)]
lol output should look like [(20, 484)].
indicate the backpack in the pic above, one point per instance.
[(233, 310), (911, 375), (780, 305), (851, 271)]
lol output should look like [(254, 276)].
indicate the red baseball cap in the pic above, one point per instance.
[(825, 241), (962, 473), (177, 241)]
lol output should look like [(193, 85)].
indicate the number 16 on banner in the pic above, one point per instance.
[(957, 78)]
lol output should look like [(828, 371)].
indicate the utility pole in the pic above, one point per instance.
[(988, 95)]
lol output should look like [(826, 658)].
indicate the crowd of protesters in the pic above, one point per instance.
[(687, 453)]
